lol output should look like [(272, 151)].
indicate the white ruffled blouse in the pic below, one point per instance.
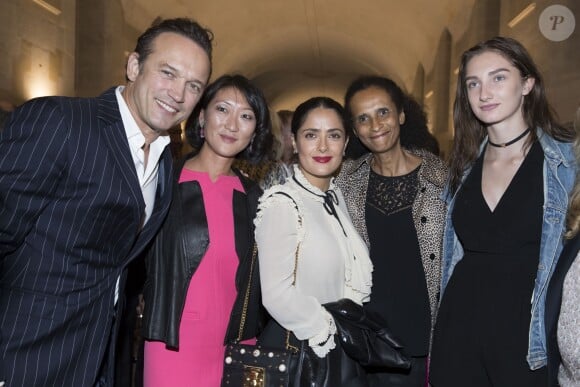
[(332, 263)]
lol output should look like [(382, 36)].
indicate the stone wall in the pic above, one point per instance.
[(38, 49), (62, 47)]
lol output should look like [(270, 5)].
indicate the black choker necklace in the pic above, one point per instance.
[(503, 145)]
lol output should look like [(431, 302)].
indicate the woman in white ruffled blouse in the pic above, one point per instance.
[(308, 214)]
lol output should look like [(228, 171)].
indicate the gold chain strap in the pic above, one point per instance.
[(247, 295), (288, 345)]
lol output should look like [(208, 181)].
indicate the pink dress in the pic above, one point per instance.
[(209, 301)]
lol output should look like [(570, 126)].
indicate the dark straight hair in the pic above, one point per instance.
[(262, 140), (302, 111), (183, 26)]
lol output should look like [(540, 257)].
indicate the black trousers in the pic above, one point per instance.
[(129, 345)]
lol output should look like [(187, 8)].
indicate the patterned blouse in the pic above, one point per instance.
[(569, 328)]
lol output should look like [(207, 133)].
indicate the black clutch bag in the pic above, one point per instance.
[(364, 336)]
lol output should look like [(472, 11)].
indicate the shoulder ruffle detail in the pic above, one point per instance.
[(284, 195)]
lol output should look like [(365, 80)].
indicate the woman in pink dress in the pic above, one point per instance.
[(202, 278)]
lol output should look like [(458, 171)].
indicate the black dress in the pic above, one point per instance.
[(399, 291), (481, 335)]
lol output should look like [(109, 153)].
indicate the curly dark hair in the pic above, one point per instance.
[(573, 215), (414, 131), (261, 143), (182, 26)]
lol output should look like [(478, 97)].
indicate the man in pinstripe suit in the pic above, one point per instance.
[(84, 186)]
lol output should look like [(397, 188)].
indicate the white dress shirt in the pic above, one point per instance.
[(147, 176)]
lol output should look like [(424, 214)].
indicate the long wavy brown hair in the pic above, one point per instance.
[(470, 132), (573, 217)]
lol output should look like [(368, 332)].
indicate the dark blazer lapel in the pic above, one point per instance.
[(162, 202), (242, 222), (116, 138), (163, 193), (244, 206)]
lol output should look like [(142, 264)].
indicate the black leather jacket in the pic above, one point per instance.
[(177, 252)]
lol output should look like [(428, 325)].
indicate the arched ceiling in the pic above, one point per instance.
[(295, 49)]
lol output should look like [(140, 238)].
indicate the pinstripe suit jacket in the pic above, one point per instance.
[(70, 215)]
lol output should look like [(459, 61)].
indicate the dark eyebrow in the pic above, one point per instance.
[(316, 130), (498, 71), (227, 102), (175, 70), (165, 64), (231, 103), (490, 73)]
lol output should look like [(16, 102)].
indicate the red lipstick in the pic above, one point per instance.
[(322, 159)]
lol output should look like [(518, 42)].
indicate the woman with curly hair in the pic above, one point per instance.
[(393, 196)]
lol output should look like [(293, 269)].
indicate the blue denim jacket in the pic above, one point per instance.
[(559, 173)]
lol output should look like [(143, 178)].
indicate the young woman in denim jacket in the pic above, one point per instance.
[(512, 168)]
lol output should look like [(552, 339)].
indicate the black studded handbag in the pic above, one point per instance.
[(257, 366), (247, 365), (279, 365), (278, 360)]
